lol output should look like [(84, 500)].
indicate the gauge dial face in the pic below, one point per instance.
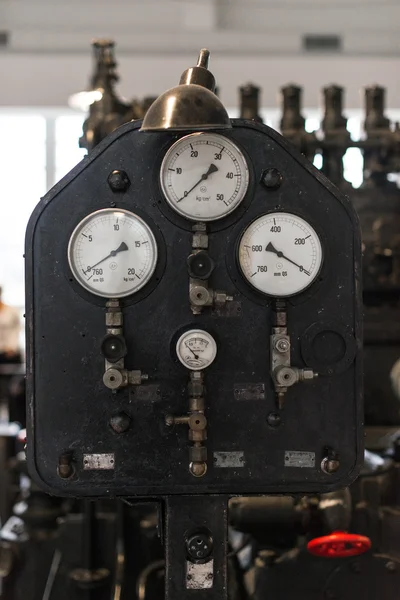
[(196, 349), (280, 254), (204, 176), (112, 253)]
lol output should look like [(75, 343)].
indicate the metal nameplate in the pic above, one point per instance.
[(199, 576), (229, 459), (294, 458), (98, 462), (249, 391)]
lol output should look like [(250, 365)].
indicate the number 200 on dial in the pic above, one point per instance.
[(280, 254)]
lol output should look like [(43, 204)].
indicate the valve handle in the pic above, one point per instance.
[(339, 544)]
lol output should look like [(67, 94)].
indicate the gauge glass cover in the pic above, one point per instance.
[(112, 253), (280, 254), (204, 176), (196, 349)]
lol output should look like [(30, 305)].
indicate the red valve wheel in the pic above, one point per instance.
[(339, 545)]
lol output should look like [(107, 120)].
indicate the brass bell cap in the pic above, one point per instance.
[(192, 105)]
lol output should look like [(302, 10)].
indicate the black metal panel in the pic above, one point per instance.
[(69, 406), (184, 517)]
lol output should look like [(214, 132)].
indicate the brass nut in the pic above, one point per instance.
[(195, 388), (220, 298), (198, 454), (197, 436), (282, 345), (196, 404), (308, 374)]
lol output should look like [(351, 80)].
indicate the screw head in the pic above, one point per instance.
[(118, 181), (282, 345), (271, 179), (120, 422), (274, 419)]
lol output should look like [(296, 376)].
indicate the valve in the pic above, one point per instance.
[(339, 544)]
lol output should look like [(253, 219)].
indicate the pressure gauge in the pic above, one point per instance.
[(112, 253), (280, 254), (204, 176), (196, 349)]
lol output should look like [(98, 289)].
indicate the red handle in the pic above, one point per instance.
[(339, 545)]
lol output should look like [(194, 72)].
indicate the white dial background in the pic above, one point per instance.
[(193, 157), (196, 349), (112, 253), (280, 254)]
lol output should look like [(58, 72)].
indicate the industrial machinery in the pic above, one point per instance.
[(239, 383), (200, 335), (106, 110)]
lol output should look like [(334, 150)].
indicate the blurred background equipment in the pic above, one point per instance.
[(44, 539)]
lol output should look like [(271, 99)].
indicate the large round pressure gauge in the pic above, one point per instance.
[(280, 254), (204, 176), (196, 349), (112, 253)]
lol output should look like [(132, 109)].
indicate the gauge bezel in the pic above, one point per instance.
[(203, 332), (268, 294), (163, 171), (77, 230)]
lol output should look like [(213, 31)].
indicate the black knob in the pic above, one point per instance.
[(200, 265), (113, 348)]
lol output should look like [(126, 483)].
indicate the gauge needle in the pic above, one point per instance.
[(195, 355), (212, 169), (121, 248), (271, 248)]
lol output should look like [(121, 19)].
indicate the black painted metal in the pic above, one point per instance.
[(69, 407), (185, 515)]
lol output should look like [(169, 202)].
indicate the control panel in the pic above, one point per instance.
[(193, 313)]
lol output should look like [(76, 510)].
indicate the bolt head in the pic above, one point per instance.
[(282, 345), (330, 465), (120, 422), (198, 469), (271, 179), (274, 419), (118, 181)]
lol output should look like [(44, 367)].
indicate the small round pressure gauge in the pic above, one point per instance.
[(112, 253), (280, 254), (204, 176), (196, 349)]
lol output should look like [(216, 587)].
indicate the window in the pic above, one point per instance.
[(40, 146), (67, 134), (23, 182)]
